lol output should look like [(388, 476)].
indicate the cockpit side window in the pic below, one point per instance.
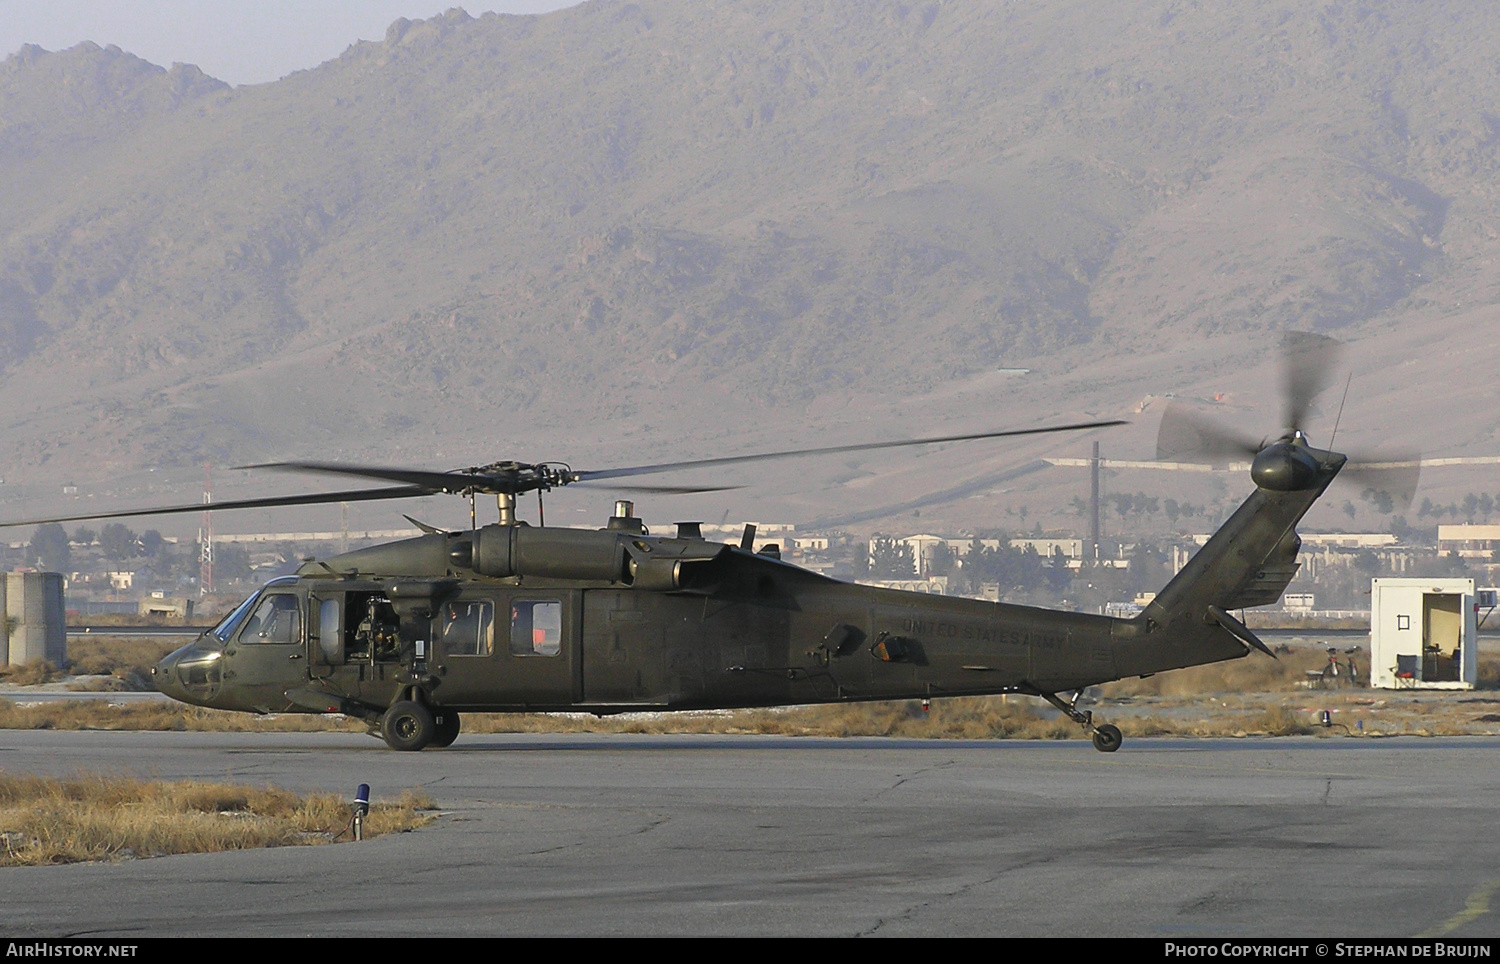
[(277, 620), (227, 625), (230, 623)]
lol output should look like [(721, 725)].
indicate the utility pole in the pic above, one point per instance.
[(1094, 506), (206, 536)]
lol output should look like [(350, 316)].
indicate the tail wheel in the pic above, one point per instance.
[(1107, 738), (446, 730), (408, 725)]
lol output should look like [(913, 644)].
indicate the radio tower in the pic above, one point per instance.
[(206, 537)]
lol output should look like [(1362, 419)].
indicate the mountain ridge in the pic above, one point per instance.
[(519, 229)]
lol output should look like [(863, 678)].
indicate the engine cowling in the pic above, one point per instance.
[(585, 554)]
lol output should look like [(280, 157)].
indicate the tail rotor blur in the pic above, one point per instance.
[(1308, 363)]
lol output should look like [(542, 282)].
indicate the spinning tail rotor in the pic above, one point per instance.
[(1288, 461)]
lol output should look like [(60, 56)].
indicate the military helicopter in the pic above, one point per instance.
[(508, 617)]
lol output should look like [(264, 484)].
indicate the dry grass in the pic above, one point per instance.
[(92, 817), (128, 658), (1367, 712), (34, 673), (1253, 674), (968, 718), (101, 715)]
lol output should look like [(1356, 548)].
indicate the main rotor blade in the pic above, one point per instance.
[(356, 495), (828, 450), (1186, 436), (672, 489), (1308, 361), (450, 482)]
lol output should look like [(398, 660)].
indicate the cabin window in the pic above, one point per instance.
[(278, 619), (536, 628), (467, 628)]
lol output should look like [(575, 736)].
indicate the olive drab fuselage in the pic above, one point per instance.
[(517, 618)]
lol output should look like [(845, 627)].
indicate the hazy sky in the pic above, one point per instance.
[(238, 41)]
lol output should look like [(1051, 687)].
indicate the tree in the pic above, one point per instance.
[(1008, 567), (941, 563), (49, 548), (1148, 568), (117, 541), (151, 542), (1058, 574), (232, 562), (890, 559)]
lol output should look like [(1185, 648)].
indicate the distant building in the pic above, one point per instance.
[(924, 548), (1339, 540), (160, 604), (1047, 548), (1470, 541), (1299, 601), (932, 585)]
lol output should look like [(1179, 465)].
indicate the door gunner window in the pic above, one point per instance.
[(467, 628), (535, 628), (278, 619), (377, 633)]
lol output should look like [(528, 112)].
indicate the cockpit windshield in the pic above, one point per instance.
[(230, 623)]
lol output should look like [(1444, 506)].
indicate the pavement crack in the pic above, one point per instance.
[(911, 912), (907, 779)]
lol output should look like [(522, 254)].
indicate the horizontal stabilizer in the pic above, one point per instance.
[(1239, 630)]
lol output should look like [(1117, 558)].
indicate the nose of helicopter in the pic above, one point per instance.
[(164, 676), (191, 674)]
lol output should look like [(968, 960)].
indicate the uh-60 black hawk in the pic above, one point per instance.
[(509, 617)]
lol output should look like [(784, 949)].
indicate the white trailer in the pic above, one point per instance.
[(1423, 634)]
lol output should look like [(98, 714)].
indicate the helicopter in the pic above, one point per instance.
[(507, 617)]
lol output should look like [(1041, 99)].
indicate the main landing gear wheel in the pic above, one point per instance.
[(408, 725), (446, 728), (1107, 738)]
